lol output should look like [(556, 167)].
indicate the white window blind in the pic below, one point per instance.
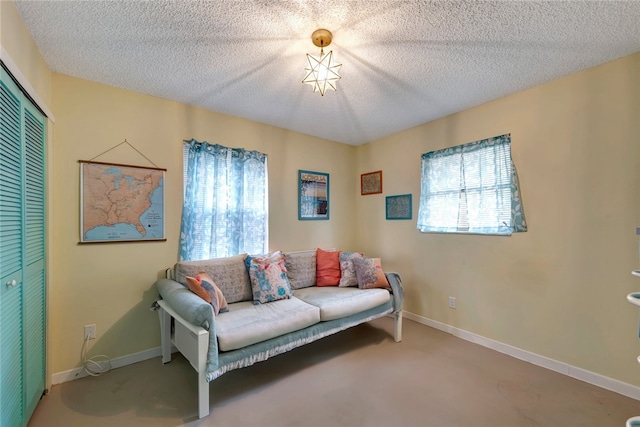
[(471, 188)]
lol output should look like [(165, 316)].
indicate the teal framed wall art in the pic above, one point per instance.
[(399, 207), (313, 195)]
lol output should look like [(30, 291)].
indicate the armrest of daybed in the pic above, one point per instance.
[(188, 305), (397, 289), (193, 314)]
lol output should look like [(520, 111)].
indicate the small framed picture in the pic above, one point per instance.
[(371, 183), (399, 207), (313, 195)]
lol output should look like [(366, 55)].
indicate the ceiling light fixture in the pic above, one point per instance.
[(322, 73)]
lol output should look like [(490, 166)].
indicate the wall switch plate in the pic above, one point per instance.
[(90, 331), (452, 302)]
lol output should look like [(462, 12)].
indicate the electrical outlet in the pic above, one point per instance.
[(452, 302), (90, 331)]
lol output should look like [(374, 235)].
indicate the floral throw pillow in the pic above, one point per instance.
[(263, 259), (203, 286), (347, 269), (369, 273), (269, 281)]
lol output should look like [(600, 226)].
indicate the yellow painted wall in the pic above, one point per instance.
[(111, 284), (559, 289)]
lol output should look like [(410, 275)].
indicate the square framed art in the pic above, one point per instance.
[(399, 207), (371, 183)]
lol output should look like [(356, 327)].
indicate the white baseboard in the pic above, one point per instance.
[(607, 383), (118, 362)]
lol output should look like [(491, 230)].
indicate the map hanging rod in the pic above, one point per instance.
[(129, 144)]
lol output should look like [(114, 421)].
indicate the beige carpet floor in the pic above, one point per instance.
[(359, 377)]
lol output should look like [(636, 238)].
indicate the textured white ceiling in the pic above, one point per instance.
[(404, 62)]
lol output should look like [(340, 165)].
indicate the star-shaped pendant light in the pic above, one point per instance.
[(322, 72)]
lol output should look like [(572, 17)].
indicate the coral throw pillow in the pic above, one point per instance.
[(203, 286), (327, 268), (369, 273)]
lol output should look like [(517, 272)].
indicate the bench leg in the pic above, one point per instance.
[(397, 333), (203, 385), (165, 334), (203, 396)]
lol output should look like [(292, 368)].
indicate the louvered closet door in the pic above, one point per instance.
[(11, 255), (22, 255), (33, 287)]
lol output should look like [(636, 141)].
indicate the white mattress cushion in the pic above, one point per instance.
[(335, 302), (245, 323)]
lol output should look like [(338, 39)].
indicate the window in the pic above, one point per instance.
[(471, 188), (225, 209)]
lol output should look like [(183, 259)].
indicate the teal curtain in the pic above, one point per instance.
[(471, 188), (225, 202)]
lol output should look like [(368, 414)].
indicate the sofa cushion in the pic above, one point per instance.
[(245, 323), (347, 269), (301, 268), (269, 281), (327, 268), (229, 273), (370, 274), (336, 302)]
